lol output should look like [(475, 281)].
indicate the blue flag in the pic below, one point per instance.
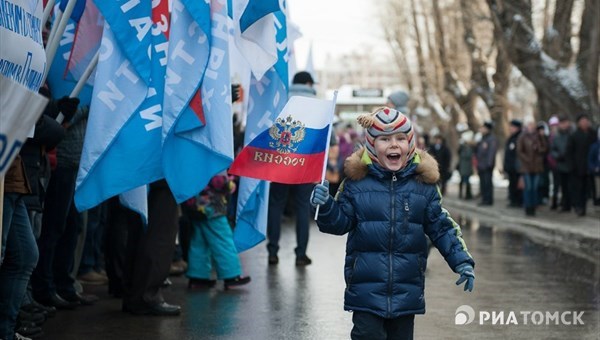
[(256, 10), (122, 148), (60, 85), (267, 98), (77, 10), (197, 120)]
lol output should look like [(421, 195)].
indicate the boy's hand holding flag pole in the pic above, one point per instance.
[(324, 171)]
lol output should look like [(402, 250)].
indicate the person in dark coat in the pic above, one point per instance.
[(389, 205), (511, 165), (442, 155), (578, 148), (558, 151), (486, 161), (594, 168), (465, 165)]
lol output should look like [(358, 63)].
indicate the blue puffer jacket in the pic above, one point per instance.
[(387, 217)]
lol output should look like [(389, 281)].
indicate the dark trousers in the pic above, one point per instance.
[(119, 219), (486, 186), (150, 249), (91, 258), (464, 182), (565, 200), (372, 327), (277, 198), (515, 195), (580, 189), (58, 238)]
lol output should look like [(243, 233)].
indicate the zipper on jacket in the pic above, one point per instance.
[(391, 242), (406, 213)]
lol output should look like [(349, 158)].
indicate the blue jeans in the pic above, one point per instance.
[(530, 193), (213, 240), (19, 257), (277, 199)]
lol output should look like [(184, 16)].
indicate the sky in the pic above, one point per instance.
[(334, 27)]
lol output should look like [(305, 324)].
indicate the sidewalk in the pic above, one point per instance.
[(579, 236)]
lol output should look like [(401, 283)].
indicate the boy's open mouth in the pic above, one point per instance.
[(393, 156)]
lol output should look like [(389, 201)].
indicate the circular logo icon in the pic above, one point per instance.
[(464, 315)]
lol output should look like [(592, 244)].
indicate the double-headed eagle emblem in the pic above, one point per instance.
[(286, 133)]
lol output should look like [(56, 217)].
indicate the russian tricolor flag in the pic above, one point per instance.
[(293, 148)]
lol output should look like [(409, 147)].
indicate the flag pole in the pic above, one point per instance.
[(1, 206), (81, 82), (47, 11), (55, 40), (324, 171)]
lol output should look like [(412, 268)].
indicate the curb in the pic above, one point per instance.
[(581, 242)]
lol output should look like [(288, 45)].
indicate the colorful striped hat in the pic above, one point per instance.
[(386, 121)]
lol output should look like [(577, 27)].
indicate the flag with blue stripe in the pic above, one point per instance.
[(122, 147), (77, 10), (268, 96), (255, 27), (60, 85), (197, 120)]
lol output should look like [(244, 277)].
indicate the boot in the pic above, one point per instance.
[(530, 211), (554, 205), (236, 281), (469, 195), (460, 190)]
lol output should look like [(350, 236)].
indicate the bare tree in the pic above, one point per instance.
[(568, 88), (588, 58)]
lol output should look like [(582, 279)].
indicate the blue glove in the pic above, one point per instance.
[(467, 274), (320, 194)]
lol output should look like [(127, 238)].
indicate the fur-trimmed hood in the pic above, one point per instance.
[(356, 166)]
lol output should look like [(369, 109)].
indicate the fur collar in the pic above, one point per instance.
[(356, 166)]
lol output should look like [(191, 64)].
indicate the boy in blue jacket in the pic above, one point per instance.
[(388, 205)]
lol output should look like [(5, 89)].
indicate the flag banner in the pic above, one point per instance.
[(292, 150), (256, 10), (59, 84), (21, 108), (122, 147), (88, 35), (22, 55), (254, 36), (267, 96), (197, 119), (78, 10)]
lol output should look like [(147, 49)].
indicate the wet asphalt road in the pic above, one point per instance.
[(288, 302)]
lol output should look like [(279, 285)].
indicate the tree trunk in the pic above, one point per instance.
[(419, 49), (563, 86), (589, 52), (557, 39)]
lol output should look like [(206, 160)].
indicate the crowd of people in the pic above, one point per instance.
[(50, 251)]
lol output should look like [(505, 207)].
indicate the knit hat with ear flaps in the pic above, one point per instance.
[(386, 121)]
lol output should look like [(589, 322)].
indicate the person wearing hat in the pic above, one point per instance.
[(398, 100), (485, 154), (511, 165), (390, 183)]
